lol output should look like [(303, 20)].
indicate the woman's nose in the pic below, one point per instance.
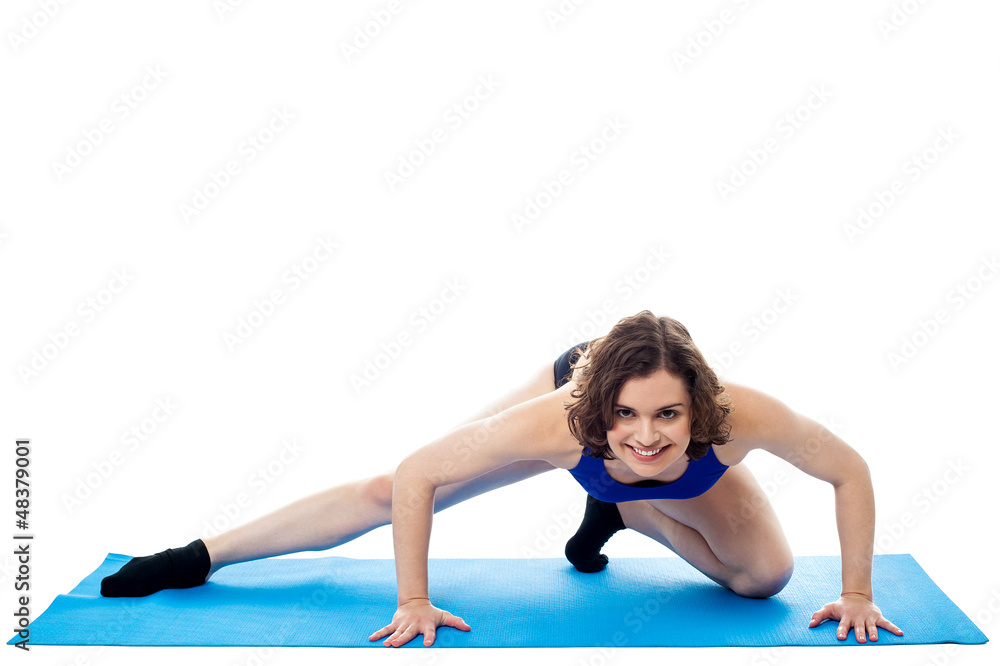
[(645, 434)]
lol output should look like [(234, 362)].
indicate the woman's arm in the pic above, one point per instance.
[(767, 423), (527, 431), (541, 383)]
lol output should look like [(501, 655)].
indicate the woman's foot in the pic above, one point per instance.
[(600, 521), (171, 568)]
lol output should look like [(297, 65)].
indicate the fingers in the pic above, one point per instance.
[(829, 612), (864, 629), (872, 631), (842, 629), (822, 614), (859, 631), (865, 626), (885, 624), (871, 625), (456, 622), (401, 637), (384, 631)]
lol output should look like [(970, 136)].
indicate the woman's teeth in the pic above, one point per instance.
[(645, 453)]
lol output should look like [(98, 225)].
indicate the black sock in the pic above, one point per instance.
[(171, 568), (600, 521)]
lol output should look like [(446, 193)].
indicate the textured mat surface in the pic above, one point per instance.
[(635, 602)]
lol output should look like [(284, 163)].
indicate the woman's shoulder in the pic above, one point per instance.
[(757, 420), (560, 447)]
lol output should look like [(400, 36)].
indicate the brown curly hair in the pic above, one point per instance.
[(636, 347)]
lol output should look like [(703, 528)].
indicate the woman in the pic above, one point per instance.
[(660, 437)]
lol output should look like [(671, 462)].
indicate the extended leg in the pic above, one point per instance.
[(313, 523), (174, 567), (318, 522)]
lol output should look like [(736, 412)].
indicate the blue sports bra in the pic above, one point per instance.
[(699, 476), (590, 472)]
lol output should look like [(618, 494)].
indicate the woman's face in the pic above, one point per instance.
[(652, 428)]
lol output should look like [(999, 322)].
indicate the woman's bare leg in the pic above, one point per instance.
[(685, 541), (340, 514), (316, 522), (745, 551)]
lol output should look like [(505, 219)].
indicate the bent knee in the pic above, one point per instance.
[(763, 584), (378, 489)]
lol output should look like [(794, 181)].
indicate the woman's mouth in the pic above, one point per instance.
[(646, 455)]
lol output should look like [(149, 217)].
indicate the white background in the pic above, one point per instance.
[(527, 293)]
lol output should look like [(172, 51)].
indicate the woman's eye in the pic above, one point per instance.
[(627, 413)]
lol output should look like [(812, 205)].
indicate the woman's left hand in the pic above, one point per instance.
[(857, 610)]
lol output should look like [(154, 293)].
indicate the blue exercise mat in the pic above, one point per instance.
[(635, 602)]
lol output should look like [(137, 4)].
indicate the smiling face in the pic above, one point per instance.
[(652, 426)]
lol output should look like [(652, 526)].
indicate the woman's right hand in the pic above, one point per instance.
[(417, 616)]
